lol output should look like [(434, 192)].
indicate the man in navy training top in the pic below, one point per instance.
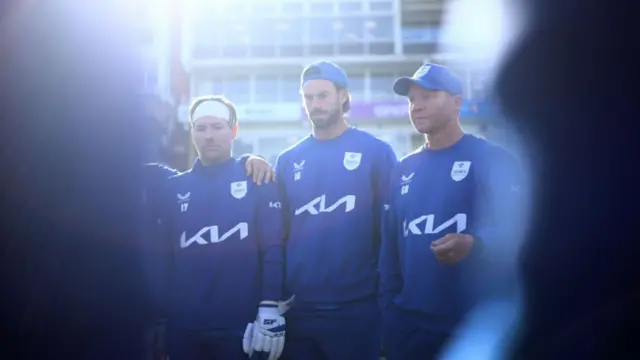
[(332, 184), (452, 209), (225, 240), (155, 177)]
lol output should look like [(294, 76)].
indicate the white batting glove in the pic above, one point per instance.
[(267, 333)]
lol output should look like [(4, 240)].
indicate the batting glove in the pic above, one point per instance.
[(266, 335)]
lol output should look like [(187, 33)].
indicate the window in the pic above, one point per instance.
[(350, 7), (351, 48), (235, 51), (379, 28), (218, 32), (204, 87), (203, 51), (356, 87), (290, 88), (418, 49), (261, 8), (237, 33), (261, 32), (321, 7), (272, 146), (217, 86), (351, 29), (418, 35), (261, 38), (382, 86), (292, 8), (237, 89), (321, 50), (289, 32), (381, 5), (266, 89), (237, 8), (209, 32), (321, 31), (263, 51)]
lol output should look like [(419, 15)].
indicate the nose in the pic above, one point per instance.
[(417, 106), (208, 135), (314, 104)]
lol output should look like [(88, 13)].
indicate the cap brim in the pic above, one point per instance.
[(403, 85)]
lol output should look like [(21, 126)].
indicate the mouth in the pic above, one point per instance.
[(420, 118)]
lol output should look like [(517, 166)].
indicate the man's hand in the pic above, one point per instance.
[(260, 170), (452, 248), (266, 334)]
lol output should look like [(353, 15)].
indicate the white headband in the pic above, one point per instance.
[(212, 108)]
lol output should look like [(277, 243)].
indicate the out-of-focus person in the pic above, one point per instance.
[(71, 147), (567, 82)]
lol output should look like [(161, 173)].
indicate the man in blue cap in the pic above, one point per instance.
[(333, 184), (452, 210)]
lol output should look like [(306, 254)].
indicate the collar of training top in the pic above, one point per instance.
[(212, 108)]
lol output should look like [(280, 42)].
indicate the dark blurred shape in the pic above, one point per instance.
[(71, 150), (569, 86)]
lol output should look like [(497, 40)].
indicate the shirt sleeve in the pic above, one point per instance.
[(281, 180), (499, 204), (382, 173), (157, 249), (271, 236), (389, 263)]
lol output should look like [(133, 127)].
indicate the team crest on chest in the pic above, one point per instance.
[(239, 189), (297, 170), (352, 160), (183, 200), (460, 170)]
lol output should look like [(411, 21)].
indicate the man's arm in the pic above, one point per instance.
[(157, 239), (389, 264), (498, 229), (272, 237), (258, 168), (281, 180), (499, 204), (383, 168)]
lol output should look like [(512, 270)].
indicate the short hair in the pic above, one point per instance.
[(233, 117)]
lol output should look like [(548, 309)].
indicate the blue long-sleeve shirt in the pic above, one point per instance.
[(226, 239), (472, 187), (333, 191)]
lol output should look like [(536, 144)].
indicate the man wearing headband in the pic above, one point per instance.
[(453, 208), (333, 184), (225, 239)]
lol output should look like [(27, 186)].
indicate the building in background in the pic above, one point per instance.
[(253, 51), (157, 30)]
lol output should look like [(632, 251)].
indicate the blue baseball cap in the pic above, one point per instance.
[(430, 77), (324, 70)]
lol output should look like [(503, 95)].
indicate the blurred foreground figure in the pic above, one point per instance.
[(70, 192), (577, 108)]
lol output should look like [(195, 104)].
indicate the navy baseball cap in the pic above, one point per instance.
[(324, 70), (430, 77)]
